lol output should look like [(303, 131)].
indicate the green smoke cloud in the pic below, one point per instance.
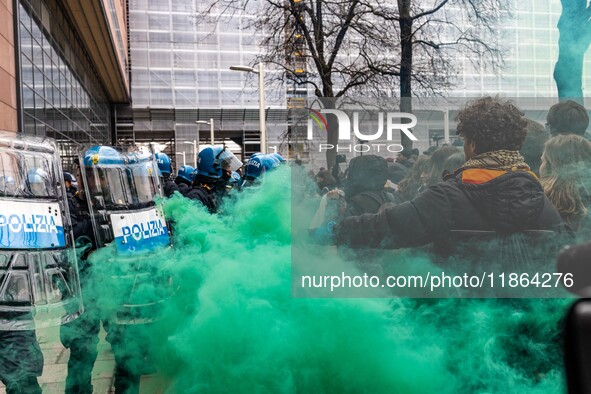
[(233, 324)]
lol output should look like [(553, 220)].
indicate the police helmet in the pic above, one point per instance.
[(186, 173), (69, 177), (37, 181), (98, 155), (254, 168), (278, 157), (235, 180), (214, 159), (269, 161), (164, 168)]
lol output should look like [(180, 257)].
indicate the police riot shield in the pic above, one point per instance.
[(122, 187), (39, 278)]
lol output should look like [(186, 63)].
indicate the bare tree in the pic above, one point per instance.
[(375, 47), (574, 27)]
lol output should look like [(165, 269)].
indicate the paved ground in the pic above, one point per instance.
[(56, 362)]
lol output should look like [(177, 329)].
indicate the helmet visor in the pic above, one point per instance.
[(229, 161)]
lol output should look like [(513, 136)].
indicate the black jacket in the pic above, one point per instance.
[(368, 202), (169, 187), (83, 230), (205, 196), (183, 188), (472, 200)]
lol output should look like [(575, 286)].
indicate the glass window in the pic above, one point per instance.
[(160, 59), (27, 71), (159, 5), (229, 59), (155, 37), (206, 41), (160, 78), (231, 79), (525, 51), (140, 78), (159, 22), (56, 75), (139, 58), (28, 98), (185, 97), (207, 79), (229, 40), (208, 97), (184, 78), (137, 19), (182, 22), (208, 60), (183, 37), (231, 96), (207, 26), (161, 96), (184, 59)]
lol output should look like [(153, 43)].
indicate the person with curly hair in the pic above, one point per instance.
[(566, 177), (494, 191)]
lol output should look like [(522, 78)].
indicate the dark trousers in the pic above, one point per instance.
[(81, 337), (21, 362), (129, 349)]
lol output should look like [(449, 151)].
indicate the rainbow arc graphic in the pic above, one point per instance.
[(318, 118)]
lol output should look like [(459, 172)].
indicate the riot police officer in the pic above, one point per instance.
[(21, 359), (214, 170), (34, 236), (256, 168), (118, 196), (164, 171), (184, 179), (69, 183), (81, 335)]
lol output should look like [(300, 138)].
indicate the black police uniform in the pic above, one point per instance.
[(21, 361), (208, 191), (81, 335), (168, 186)]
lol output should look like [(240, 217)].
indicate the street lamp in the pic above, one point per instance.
[(182, 153), (210, 123), (261, 72), (446, 125), (194, 143)]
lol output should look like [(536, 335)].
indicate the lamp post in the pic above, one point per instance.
[(261, 72), (210, 123), (182, 153), (446, 125), (194, 143)]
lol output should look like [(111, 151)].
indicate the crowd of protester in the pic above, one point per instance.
[(555, 159)]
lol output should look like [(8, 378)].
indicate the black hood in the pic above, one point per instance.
[(511, 202)]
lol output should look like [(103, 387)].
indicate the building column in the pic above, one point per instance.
[(8, 95)]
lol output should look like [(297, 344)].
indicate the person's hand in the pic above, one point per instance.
[(324, 234), (335, 194)]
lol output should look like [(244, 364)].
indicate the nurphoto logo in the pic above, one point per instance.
[(393, 121)]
